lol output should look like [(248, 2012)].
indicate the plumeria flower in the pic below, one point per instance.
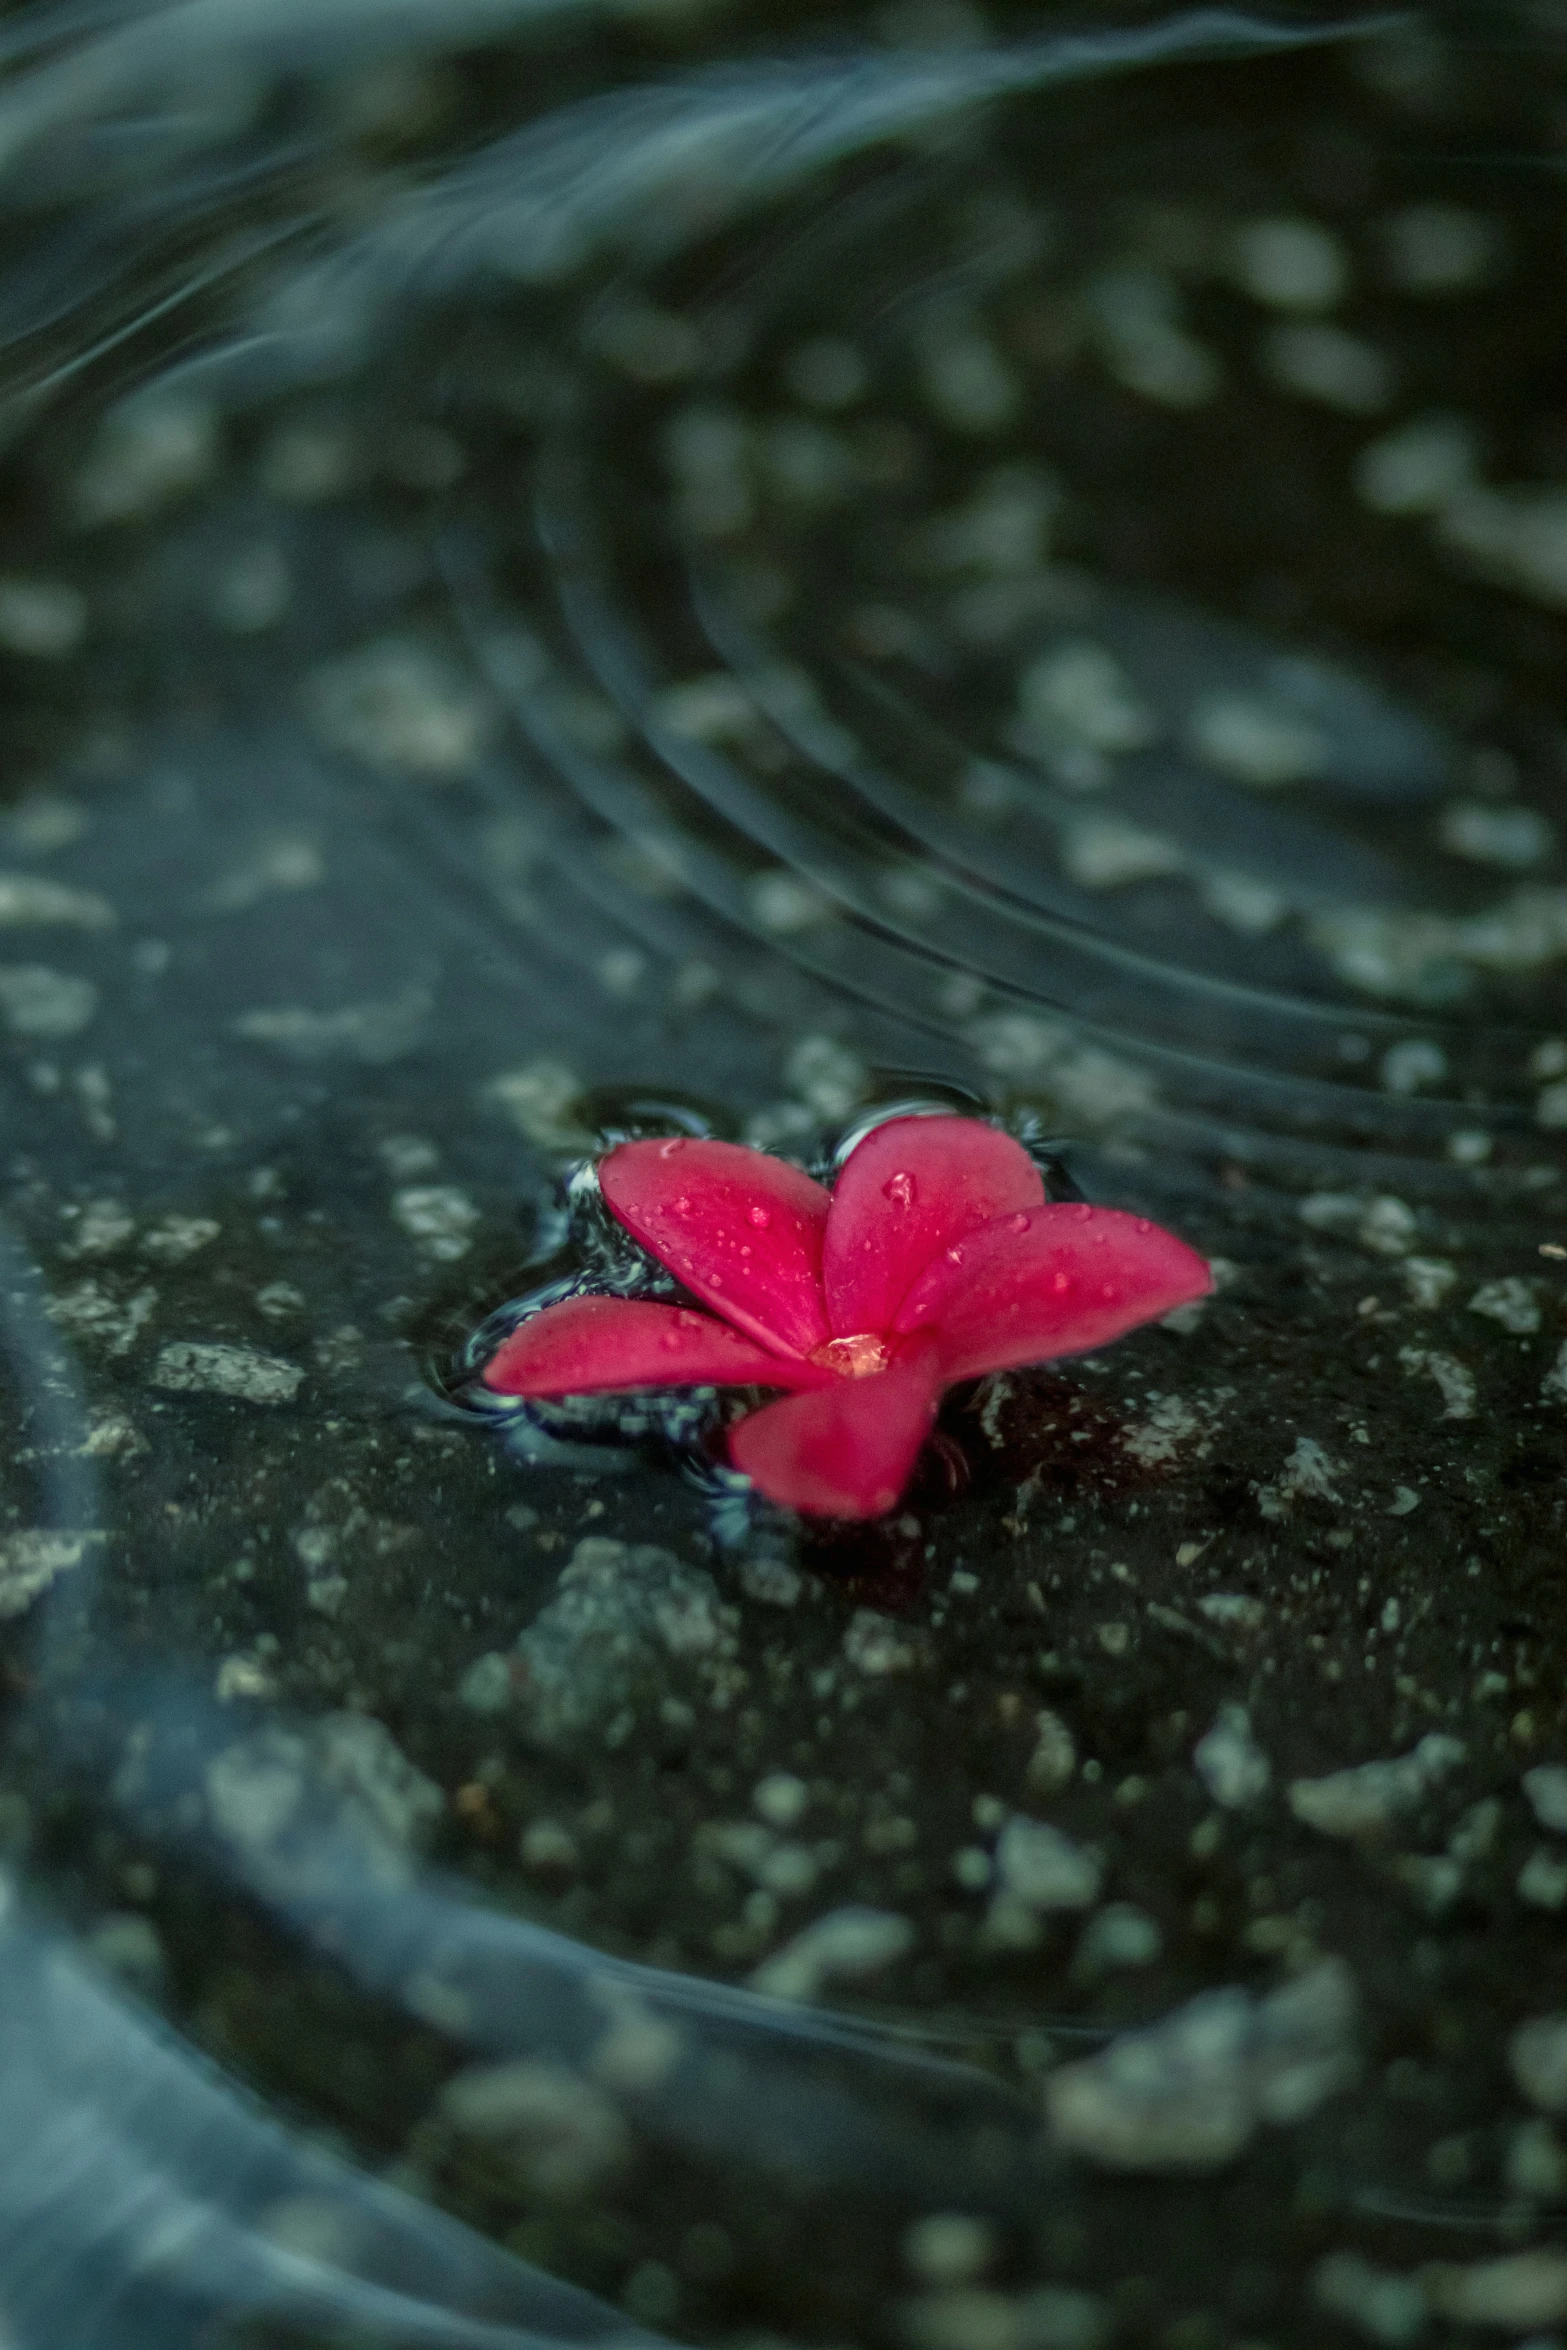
[(935, 1258)]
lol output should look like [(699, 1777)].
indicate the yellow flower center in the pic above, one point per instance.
[(853, 1358)]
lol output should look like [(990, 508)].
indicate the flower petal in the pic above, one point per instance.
[(741, 1229), (911, 1189), (848, 1450), (1058, 1281), (587, 1345)]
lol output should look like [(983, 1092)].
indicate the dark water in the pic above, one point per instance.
[(679, 567)]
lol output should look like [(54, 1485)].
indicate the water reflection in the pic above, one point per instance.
[(145, 2201)]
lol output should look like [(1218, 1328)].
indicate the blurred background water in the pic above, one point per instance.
[(681, 565)]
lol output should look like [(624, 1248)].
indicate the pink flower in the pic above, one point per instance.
[(936, 1258)]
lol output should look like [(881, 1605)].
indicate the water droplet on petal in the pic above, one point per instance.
[(681, 1204), (1061, 1284), (715, 1281), (1083, 1212), (1143, 1224), (667, 1150), (899, 1189), (954, 1256), (1021, 1222), (761, 1217), (1109, 1293), (1101, 1239), (745, 1248)]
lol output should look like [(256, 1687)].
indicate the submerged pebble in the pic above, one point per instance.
[(846, 1945), (1188, 2093)]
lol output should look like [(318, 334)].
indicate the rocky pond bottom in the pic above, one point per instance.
[(570, 578)]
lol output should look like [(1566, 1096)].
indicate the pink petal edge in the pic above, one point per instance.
[(1060, 1281), (742, 1230), (849, 1450), (593, 1345), (911, 1189)]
